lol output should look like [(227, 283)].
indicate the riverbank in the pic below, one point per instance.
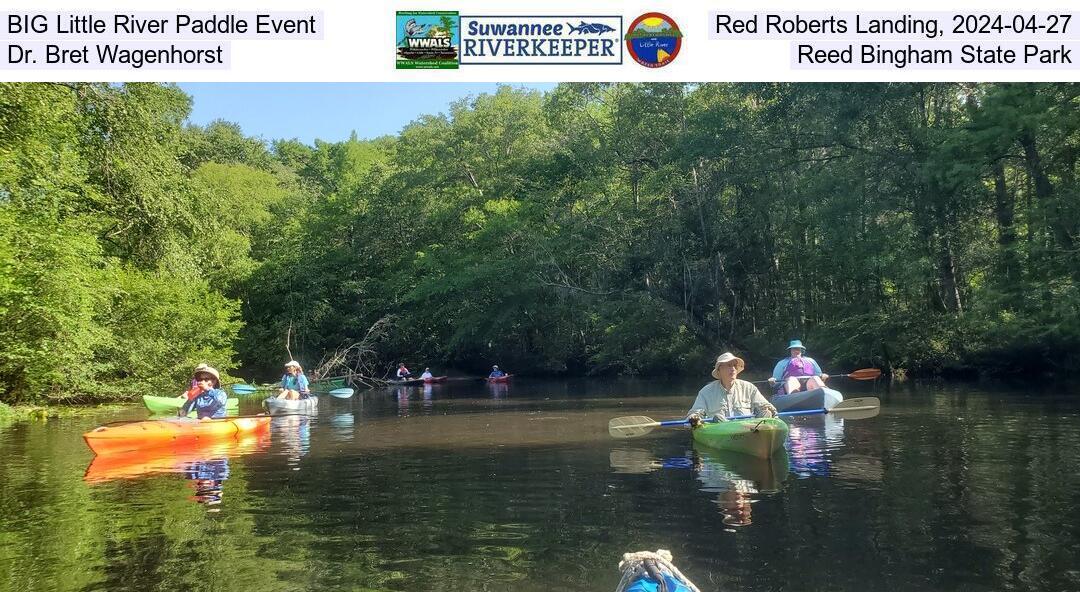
[(12, 413)]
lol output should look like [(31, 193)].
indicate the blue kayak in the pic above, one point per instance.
[(819, 398), (647, 584), (646, 571)]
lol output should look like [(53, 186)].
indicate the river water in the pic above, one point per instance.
[(465, 487)]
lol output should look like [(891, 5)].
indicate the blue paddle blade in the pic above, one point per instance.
[(243, 388), (341, 393)]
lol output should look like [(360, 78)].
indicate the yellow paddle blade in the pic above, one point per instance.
[(631, 426), (865, 374)]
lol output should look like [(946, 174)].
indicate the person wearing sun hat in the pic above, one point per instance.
[(209, 399), (790, 371), (294, 385), (727, 395)]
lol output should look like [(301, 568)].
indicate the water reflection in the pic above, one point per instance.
[(736, 479), (498, 390), (401, 393), (207, 478), (206, 467), (342, 426), (141, 463), (942, 491), (293, 434), (810, 444)]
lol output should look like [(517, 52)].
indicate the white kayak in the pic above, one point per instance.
[(819, 398), (278, 406)]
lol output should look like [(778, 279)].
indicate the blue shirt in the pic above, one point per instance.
[(210, 403), (781, 366), (496, 374)]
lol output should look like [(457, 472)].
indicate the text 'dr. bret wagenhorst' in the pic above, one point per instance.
[(912, 40)]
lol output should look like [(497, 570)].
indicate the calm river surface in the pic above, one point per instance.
[(465, 487)]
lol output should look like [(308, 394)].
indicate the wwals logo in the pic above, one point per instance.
[(427, 39)]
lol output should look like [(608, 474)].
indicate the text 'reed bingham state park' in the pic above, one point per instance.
[(923, 228)]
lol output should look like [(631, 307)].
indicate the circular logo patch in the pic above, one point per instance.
[(653, 39)]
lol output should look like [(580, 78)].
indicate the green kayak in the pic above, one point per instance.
[(170, 405), (327, 384), (760, 437)]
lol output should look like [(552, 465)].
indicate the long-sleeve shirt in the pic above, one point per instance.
[(743, 399), (781, 367), (209, 403)]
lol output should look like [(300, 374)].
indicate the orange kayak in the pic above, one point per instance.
[(152, 461), (177, 433)]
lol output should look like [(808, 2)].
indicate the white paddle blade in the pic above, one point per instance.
[(631, 426), (857, 408), (342, 393)]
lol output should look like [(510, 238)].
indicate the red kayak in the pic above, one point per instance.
[(503, 378), (434, 379)]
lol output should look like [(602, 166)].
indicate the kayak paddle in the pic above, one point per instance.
[(862, 374), (341, 393), (247, 389), (639, 425)]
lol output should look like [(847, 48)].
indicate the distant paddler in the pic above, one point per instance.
[(294, 385), (797, 365)]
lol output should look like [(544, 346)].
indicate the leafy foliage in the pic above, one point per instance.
[(600, 228)]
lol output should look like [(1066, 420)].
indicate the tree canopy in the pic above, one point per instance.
[(597, 228)]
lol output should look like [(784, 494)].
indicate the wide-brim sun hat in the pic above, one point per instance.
[(204, 369), (726, 358), (796, 344), (292, 363)]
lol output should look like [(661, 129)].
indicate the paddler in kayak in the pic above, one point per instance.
[(727, 395), (294, 385), (210, 400), (797, 365), (496, 373)]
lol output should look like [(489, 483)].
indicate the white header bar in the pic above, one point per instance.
[(551, 41)]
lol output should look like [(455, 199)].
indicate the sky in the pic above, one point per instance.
[(327, 111)]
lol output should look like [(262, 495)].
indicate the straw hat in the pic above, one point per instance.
[(725, 359), (205, 369), (292, 363)]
